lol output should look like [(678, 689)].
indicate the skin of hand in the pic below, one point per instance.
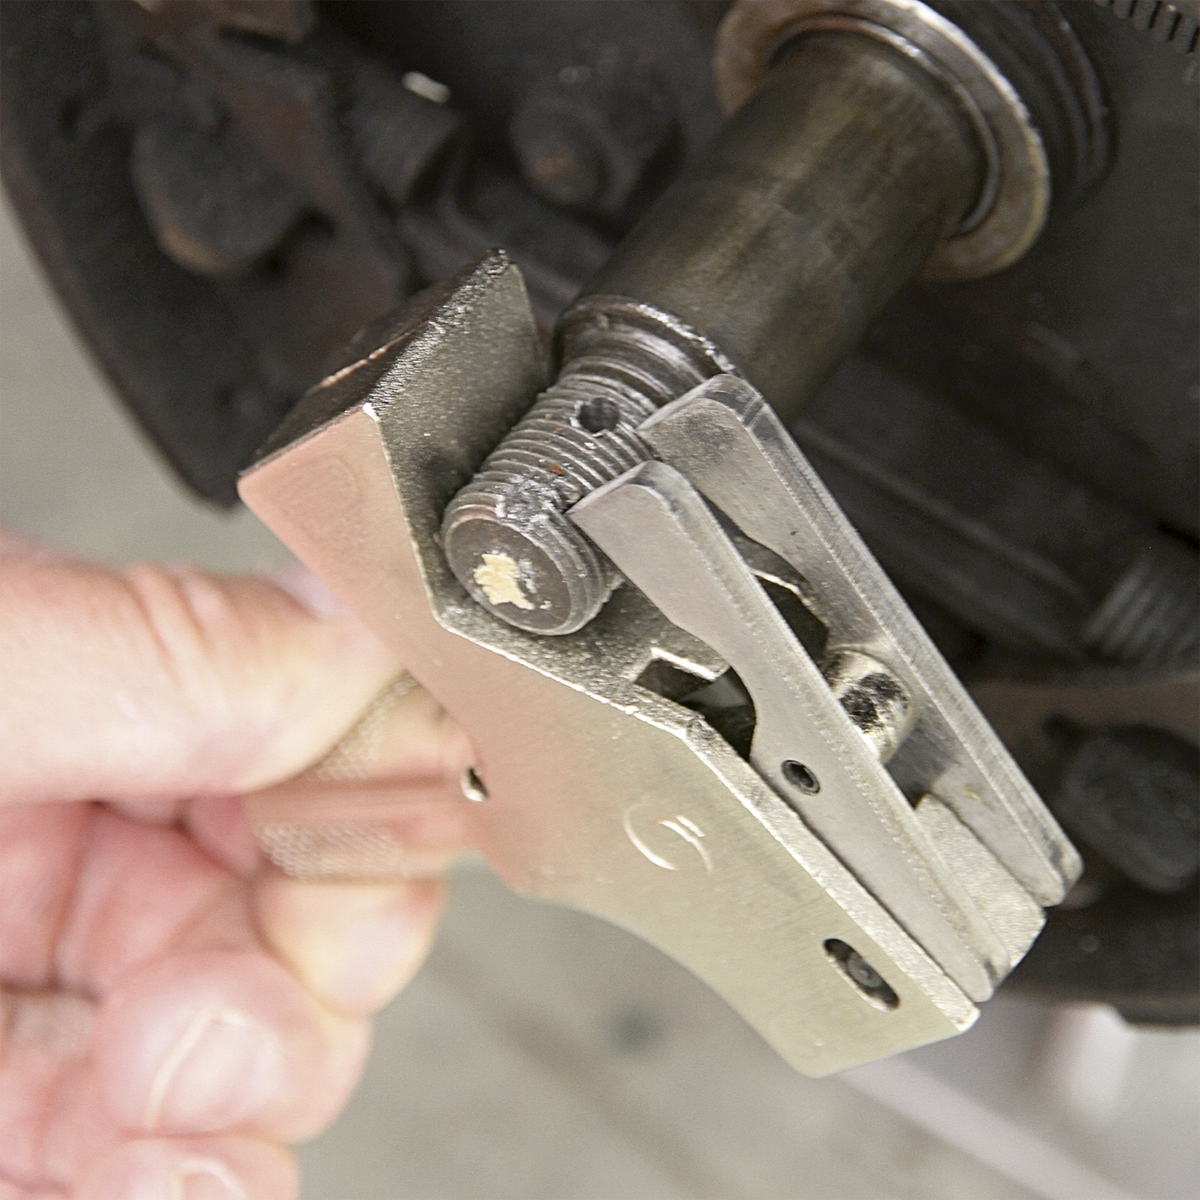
[(173, 1010)]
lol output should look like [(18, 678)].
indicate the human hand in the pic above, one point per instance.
[(173, 1010)]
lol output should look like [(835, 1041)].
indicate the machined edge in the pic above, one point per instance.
[(655, 525), (602, 308)]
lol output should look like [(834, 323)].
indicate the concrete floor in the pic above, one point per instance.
[(544, 1055)]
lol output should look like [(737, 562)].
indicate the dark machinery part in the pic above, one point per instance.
[(770, 255), (1132, 793), (223, 192)]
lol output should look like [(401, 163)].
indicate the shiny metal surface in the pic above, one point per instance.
[(809, 740), (601, 794), (734, 449), (1015, 198), (658, 530)]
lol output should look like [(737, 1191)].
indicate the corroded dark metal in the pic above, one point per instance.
[(770, 256)]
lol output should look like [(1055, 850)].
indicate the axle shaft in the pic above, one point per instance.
[(813, 205)]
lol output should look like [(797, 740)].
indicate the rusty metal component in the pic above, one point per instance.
[(244, 175), (1128, 932), (1018, 709), (585, 140), (1115, 755), (1133, 794)]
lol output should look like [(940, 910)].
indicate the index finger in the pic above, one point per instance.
[(153, 683)]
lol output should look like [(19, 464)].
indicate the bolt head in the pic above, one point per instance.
[(587, 144)]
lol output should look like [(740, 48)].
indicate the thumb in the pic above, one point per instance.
[(156, 683)]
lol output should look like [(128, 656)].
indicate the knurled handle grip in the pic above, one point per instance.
[(338, 820)]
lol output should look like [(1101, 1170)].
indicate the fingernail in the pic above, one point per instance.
[(352, 945), (222, 1070), (206, 1179)]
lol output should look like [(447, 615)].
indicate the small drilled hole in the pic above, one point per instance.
[(800, 777), (599, 415), (472, 786), (861, 974)]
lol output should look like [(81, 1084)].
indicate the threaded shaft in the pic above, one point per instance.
[(506, 534)]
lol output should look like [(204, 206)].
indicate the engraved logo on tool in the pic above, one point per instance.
[(666, 850)]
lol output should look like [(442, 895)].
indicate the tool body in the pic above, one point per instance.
[(605, 794), (700, 708)]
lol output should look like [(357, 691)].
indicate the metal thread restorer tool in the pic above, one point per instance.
[(700, 709)]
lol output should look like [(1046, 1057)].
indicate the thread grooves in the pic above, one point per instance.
[(549, 461)]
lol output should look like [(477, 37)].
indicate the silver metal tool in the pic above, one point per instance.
[(848, 907), (820, 751)]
